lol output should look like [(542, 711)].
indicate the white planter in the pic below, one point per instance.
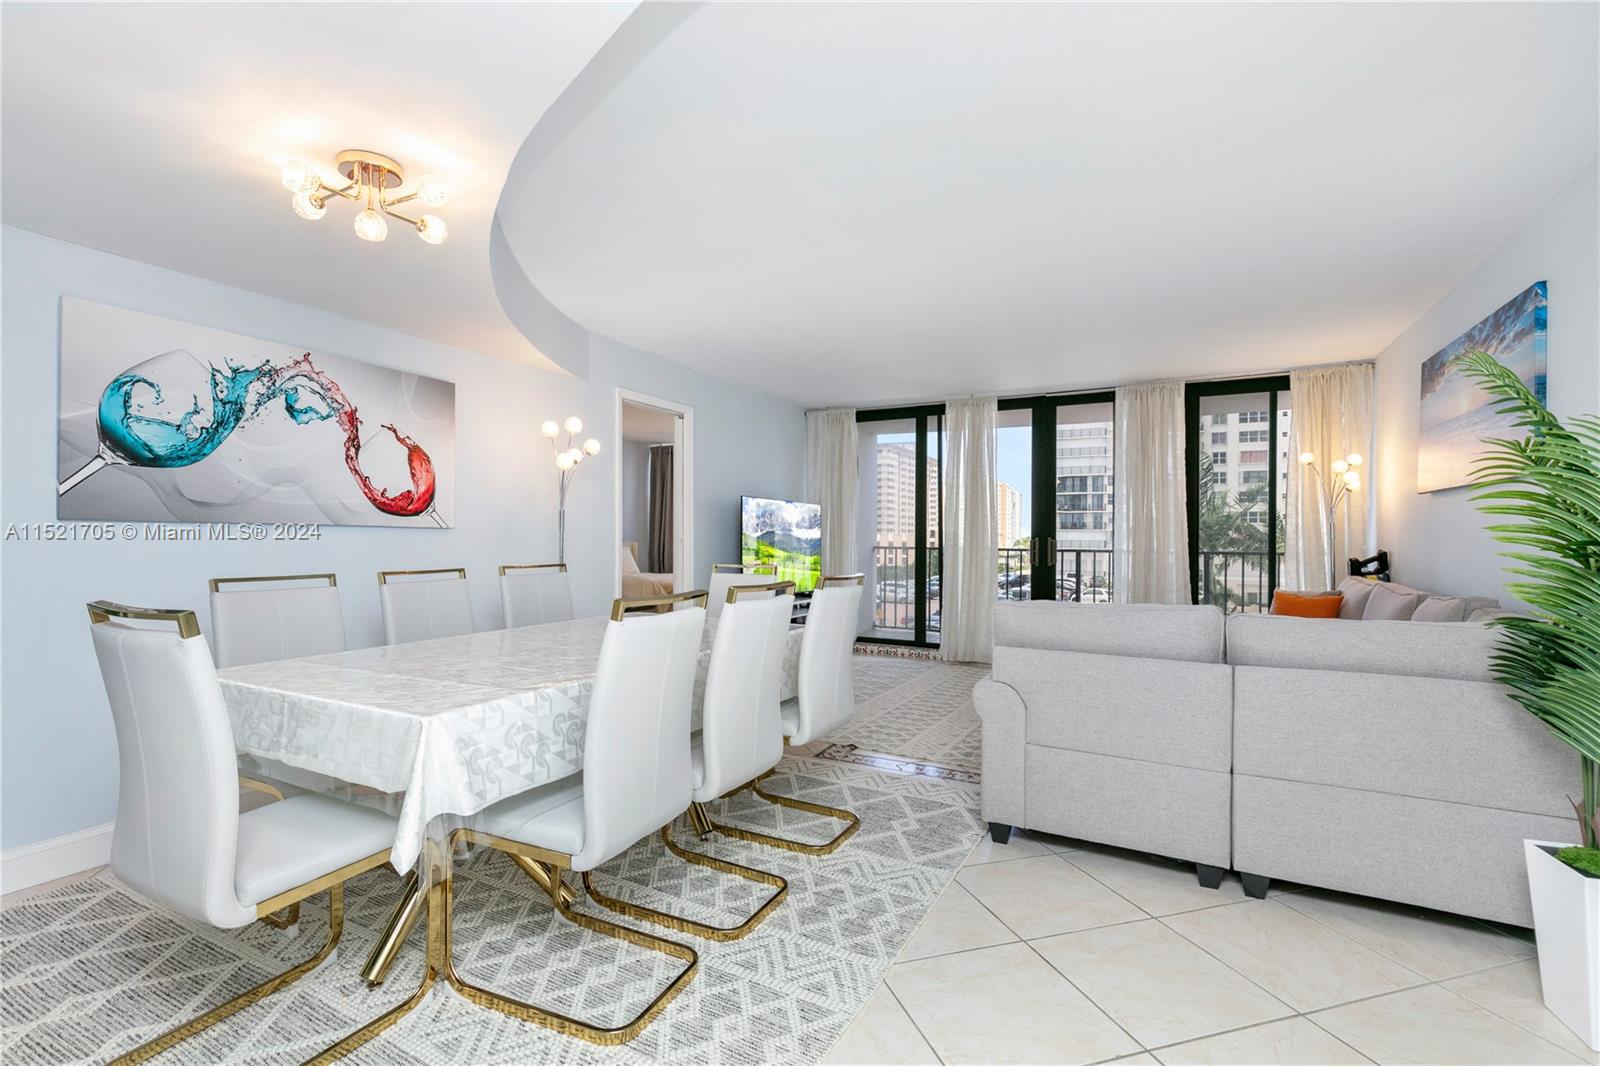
[(1566, 919)]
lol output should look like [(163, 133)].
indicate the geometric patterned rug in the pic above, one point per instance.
[(88, 970), (913, 710)]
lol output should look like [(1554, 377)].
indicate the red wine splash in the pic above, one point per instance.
[(413, 501)]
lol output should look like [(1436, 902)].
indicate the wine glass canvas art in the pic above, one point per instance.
[(166, 421)]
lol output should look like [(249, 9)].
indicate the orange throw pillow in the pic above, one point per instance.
[(1299, 605)]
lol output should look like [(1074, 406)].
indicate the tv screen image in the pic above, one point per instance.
[(785, 533)]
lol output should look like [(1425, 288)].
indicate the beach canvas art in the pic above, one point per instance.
[(166, 421), (1457, 415)]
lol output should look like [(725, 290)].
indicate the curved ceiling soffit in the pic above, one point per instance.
[(557, 336)]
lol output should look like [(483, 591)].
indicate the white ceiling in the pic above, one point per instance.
[(156, 131), (871, 203)]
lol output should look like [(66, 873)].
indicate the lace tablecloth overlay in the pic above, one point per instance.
[(455, 724)]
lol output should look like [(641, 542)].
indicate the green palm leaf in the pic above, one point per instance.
[(1549, 482)]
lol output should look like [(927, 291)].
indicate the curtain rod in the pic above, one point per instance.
[(1081, 391)]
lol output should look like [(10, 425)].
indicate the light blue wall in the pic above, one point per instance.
[(58, 769)]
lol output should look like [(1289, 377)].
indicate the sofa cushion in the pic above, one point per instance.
[(1458, 741), (1387, 605), (1301, 605), (1189, 633), (1440, 609), (1420, 649), (1159, 710), (1356, 590)]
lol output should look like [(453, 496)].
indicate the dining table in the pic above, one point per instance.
[(433, 731)]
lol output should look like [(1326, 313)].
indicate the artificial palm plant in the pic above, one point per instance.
[(1549, 482)]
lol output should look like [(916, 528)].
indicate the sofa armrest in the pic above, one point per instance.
[(1005, 722)]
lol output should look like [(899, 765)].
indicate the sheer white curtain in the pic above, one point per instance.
[(831, 482), (968, 589), (1151, 524), (1332, 418)]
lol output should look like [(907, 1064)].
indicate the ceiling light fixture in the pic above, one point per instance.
[(369, 179)]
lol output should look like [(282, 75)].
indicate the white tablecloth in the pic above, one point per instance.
[(455, 724)]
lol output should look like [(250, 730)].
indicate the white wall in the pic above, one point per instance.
[(59, 753), (1436, 540)]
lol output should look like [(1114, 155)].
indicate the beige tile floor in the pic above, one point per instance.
[(1049, 951)]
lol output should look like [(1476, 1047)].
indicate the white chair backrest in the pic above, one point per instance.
[(535, 594), (425, 609), (177, 831), (742, 727), (637, 773), (261, 622), (827, 690), (722, 581)]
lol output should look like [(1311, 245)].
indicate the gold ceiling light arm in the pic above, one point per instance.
[(373, 181)]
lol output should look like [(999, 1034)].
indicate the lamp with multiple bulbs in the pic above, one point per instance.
[(1342, 479), (567, 460), (369, 177)]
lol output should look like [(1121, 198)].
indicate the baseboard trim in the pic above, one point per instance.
[(70, 853)]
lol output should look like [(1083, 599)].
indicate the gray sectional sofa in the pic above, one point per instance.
[(1375, 757)]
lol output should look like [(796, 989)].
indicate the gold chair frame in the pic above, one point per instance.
[(288, 902), (744, 568), (562, 567), (385, 575)]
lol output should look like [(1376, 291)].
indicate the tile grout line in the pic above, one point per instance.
[(909, 1016)]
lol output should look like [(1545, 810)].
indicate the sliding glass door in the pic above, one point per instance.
[(1238, 469), (900, 457), (1054, 458)]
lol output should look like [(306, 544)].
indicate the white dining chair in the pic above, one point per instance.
[(730, 575), (180, 839), (425, 609), (826, 701), (741, 739), (278, 617), (535, 593), (636, 778)]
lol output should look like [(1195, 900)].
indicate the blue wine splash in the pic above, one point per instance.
[(145, 440)]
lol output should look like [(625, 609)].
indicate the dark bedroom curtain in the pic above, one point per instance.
[(658, 551)]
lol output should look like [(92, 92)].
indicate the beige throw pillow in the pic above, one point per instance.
[(1386, 605), (1441, 609), (1356, 591)]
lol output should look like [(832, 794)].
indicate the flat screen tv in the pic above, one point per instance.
[(784, 533)]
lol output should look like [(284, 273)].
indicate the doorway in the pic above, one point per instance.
[(1054, 458), (900, 493), (1238, 484), (654, 496)]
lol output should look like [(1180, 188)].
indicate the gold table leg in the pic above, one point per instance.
[(396, 932), (437, 958), (541, 874)]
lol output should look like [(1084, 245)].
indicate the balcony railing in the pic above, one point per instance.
[(1083, 575), (1235, 581)]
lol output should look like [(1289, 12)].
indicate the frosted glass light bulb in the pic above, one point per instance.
[(1353, 481), (432, 229), (296, 173), (574, 424), (432, 190), (1340, 466), (307, 207), (1307, 458), (370, 226), (551, 430), (591, 447), (1354, 459), (565, 461)]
